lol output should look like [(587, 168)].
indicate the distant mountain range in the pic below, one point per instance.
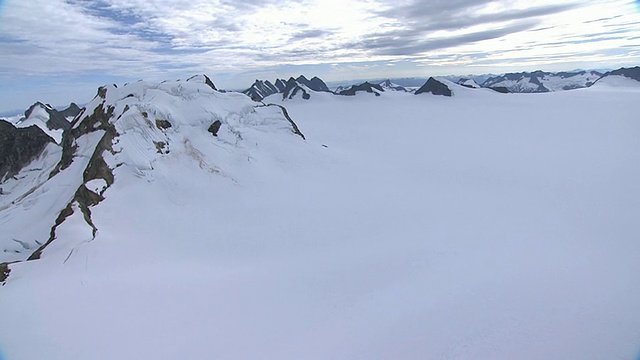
[(288, 88), (540, 81), (524, 82)]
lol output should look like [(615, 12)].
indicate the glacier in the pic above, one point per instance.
[(480, 226)]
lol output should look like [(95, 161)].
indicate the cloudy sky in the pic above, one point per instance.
[(61, 50)]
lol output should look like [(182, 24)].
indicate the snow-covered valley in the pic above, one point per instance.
[(481, 226)]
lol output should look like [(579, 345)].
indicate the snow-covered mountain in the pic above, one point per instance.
[(177, 221), (467, 82), (540, 81), (51, 121), (125, 133), (300, 86), (436, 87), (366, 87), (624, 77), (261, 89), (388, 85), (19, 146)]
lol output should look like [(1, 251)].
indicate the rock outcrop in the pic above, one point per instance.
[(19, 146), (435, 87), (364, 87)]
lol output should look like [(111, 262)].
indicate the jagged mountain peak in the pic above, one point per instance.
[(315, 84), (367, 87), (435, 87), (389, 85), (288, 88), (51, 121), (19, 146), (58, 119), (468, 82), (280, 84), (261, 89)]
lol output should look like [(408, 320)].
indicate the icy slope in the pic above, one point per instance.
[(405, 227)]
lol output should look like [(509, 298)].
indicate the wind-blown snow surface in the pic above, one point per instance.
[(483, 226)]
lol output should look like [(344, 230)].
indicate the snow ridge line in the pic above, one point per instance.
[(296, 130)]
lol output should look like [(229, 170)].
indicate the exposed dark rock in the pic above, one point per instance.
[(57, 119), (162, 124), (62, 216), (280, 85), (99, 120), (19, 146), (4, 272), (96, 169), (315, 84), (435, 87), (260, 90), (575, 86), (500, 89), (292, 88), (366, 87), (102, 92), (209, 83), (160, 147), (213, 128), (530, 77), (387, 84), (468, 83), (71, 111), (289, 88), (632, 73), (519, 82), (294, 126)]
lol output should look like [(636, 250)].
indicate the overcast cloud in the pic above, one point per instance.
[(89, 42)]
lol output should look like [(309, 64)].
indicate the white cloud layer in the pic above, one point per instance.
[(237, 39)]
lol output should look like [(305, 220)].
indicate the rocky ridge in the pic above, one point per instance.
[(123, 131)]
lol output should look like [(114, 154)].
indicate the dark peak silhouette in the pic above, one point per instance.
[(435, 87)]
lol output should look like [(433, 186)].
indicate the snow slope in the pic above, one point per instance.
[(617, 82), (569, 81), (540, 81), (404, 227)]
